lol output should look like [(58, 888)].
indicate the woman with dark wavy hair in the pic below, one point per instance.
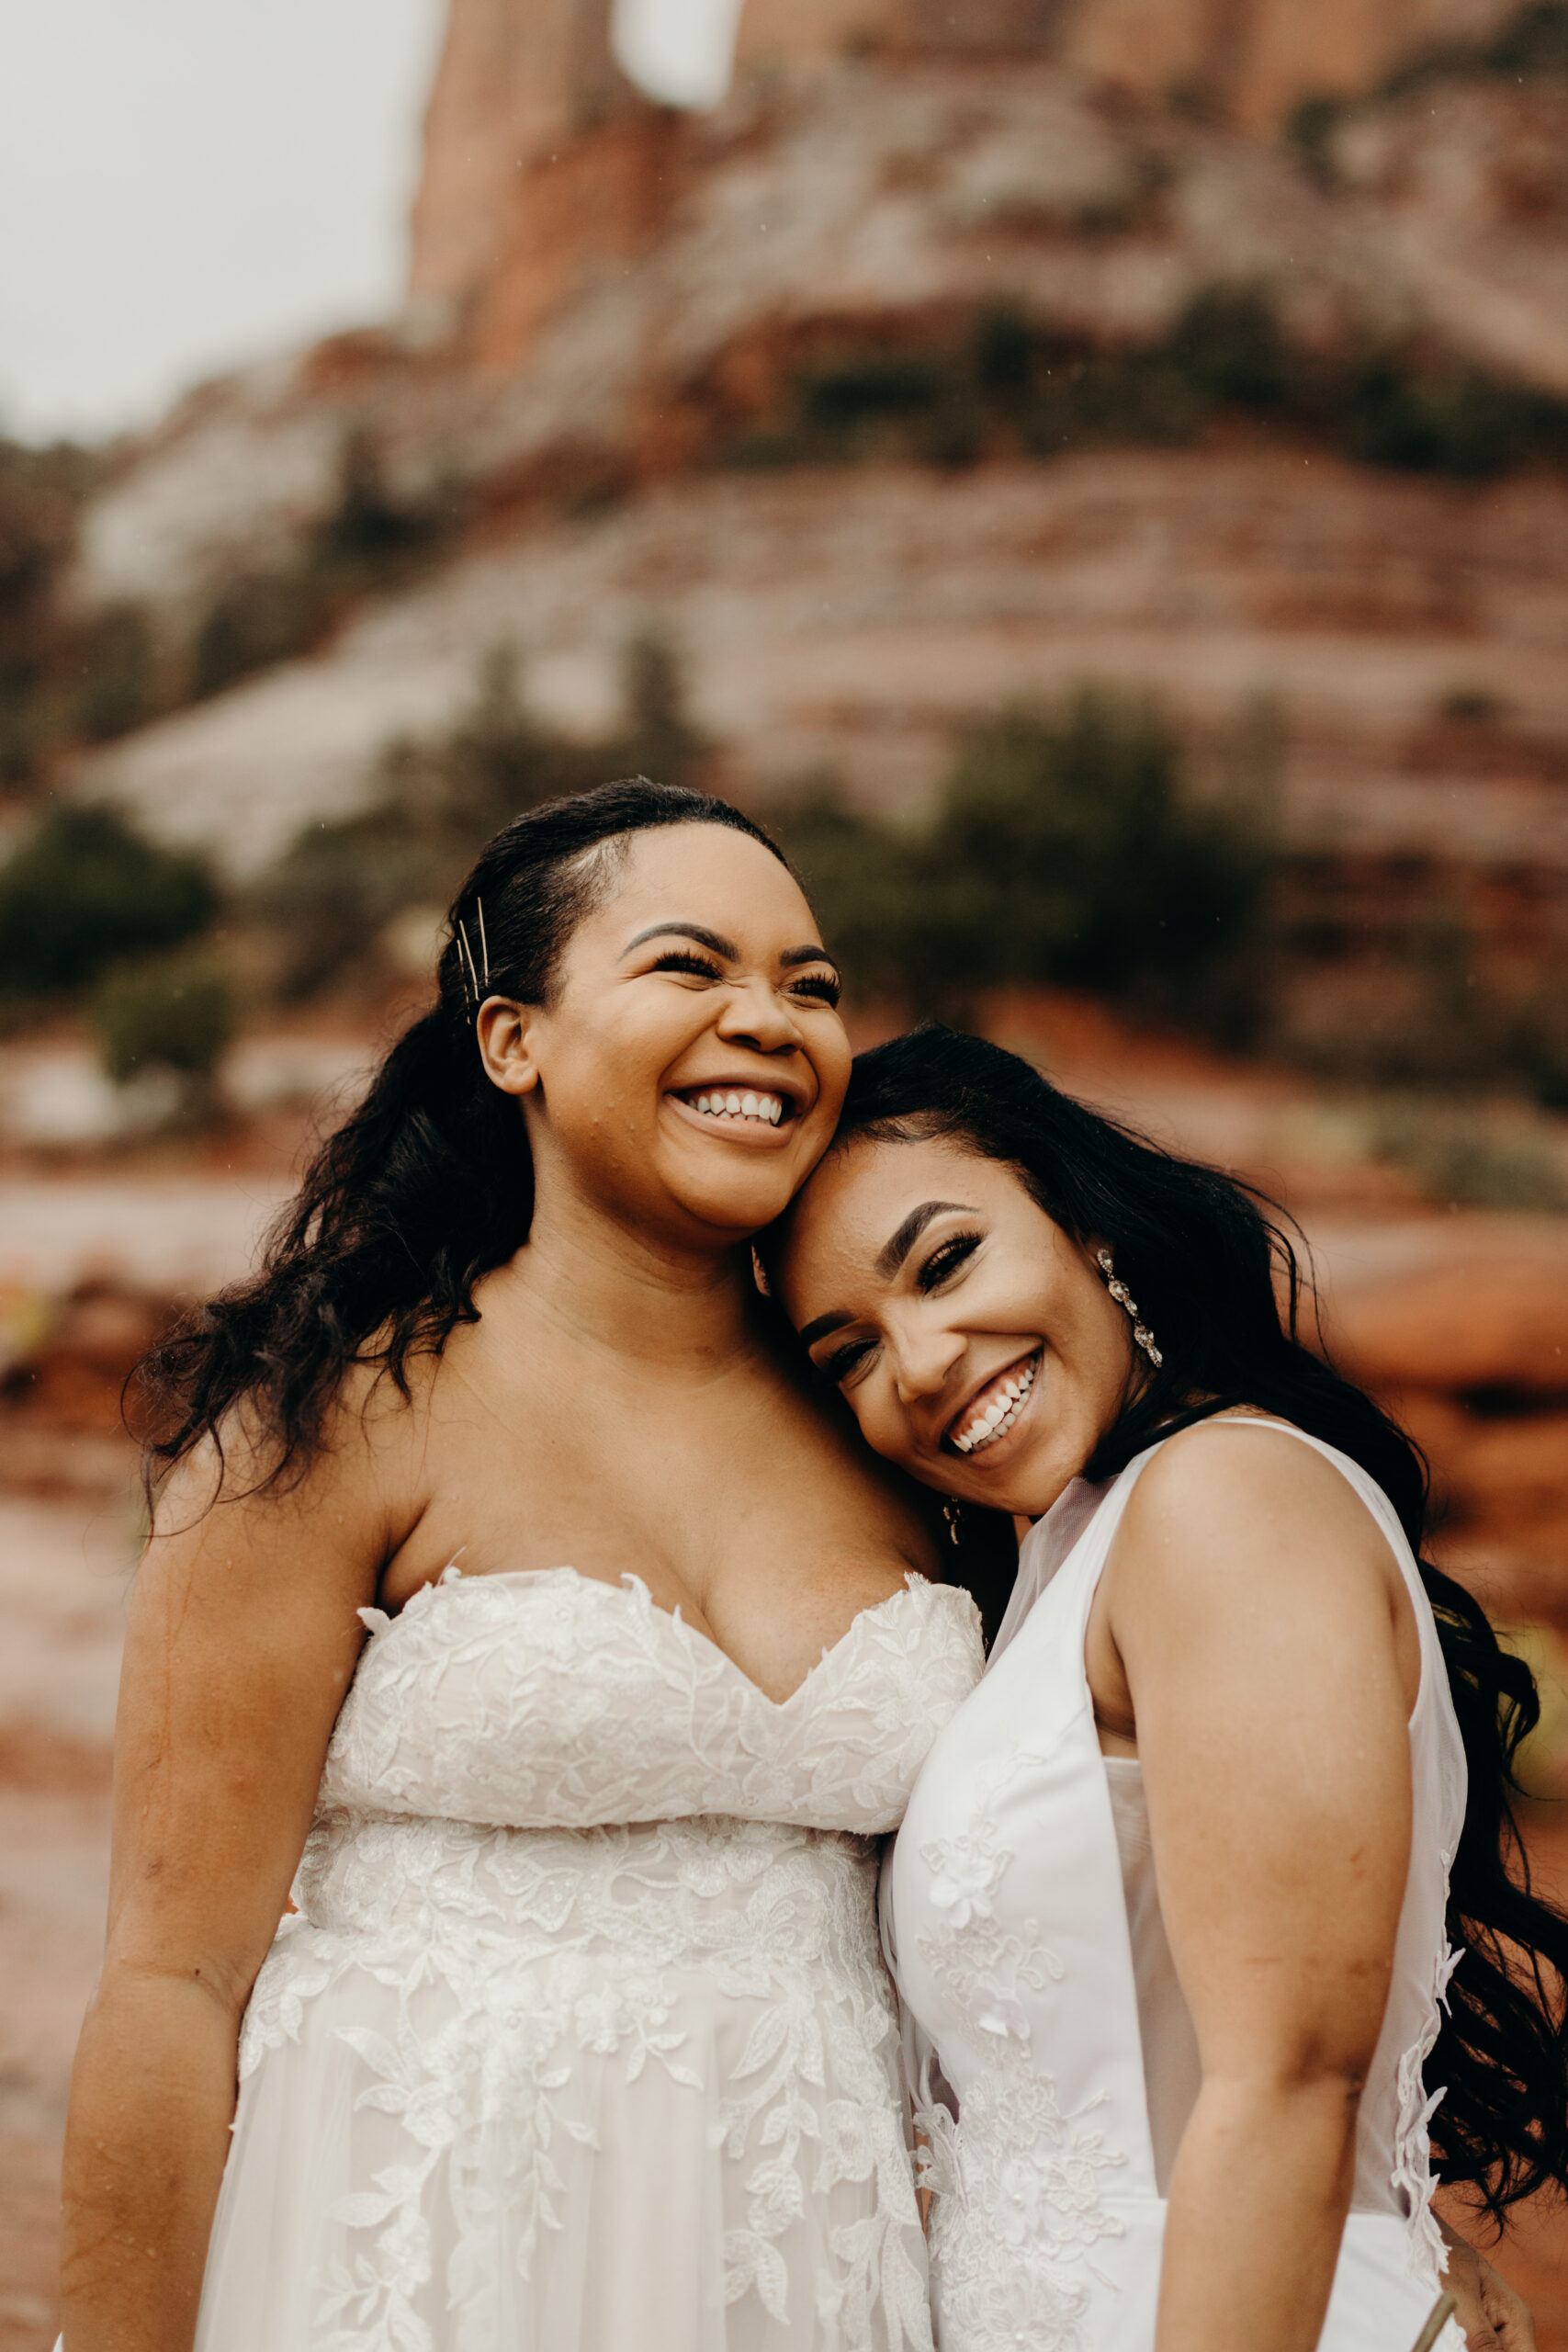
[(577, 2035), (1208, 1909)]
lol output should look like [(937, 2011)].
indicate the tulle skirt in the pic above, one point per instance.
[(545, 2138)]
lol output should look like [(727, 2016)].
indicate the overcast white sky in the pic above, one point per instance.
[(188, 184)]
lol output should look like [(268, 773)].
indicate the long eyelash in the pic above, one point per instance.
[(946, 1259), (681, 959), (837, 1368)]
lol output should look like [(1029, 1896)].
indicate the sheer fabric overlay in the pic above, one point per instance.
[(582, 2035)]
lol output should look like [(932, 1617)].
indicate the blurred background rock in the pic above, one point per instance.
[(1092, 473)]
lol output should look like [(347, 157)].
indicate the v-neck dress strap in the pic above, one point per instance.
[(1005, 1915)]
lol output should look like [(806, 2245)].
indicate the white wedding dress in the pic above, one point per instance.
[(580, 2040), (1021, 1909)]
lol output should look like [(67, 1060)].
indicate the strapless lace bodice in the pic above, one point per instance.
[(581, 2035), (552, 1701)]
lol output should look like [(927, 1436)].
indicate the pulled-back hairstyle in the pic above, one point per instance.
[(429, 1183), (1218, 1282)]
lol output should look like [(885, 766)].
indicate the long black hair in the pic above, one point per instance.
[(429, 1183), (1219, 1282)]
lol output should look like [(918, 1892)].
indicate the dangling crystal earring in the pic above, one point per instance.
[(954, 1513), (1142, 1334), (760, 1273)]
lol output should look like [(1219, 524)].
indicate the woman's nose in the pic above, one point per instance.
[(923, 1362), (757, 1015)]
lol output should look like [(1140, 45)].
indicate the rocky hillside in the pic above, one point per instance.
[(654, 286), (925, 374)]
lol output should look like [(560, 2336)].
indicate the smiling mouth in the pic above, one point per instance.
[(994, 1412), (736, 1106)]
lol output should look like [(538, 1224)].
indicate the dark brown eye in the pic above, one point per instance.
[(835, 1369), (946, 1259)]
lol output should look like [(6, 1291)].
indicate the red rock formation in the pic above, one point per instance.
[(797, 28), (1254, 58), (517, 79)]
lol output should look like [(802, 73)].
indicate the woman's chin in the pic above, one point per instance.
[(740, 1205)]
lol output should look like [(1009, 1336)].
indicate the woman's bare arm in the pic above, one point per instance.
[(241, 1639), (1259, 1614)]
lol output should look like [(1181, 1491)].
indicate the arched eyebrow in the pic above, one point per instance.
[(716, 942), (889, 1258), (714, 939), (894, 1251)]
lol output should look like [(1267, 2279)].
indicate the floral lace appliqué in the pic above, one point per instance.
[(1413, 2179), (1016, 2184), (568, 1858)]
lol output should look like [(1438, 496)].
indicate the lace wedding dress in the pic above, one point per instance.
[(580, 2040)]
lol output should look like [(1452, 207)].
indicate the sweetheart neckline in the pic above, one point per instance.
[(451, 1578)]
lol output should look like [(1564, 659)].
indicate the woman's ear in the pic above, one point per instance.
[(504, 1030)]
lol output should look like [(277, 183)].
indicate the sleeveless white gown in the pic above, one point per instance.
[(581, 2039), (1006, 1905)]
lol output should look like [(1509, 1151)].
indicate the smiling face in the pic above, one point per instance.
[(687, 1073), (972, 1339)]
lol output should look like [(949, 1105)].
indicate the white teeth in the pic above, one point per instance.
[(997, 1416), (768, 1108)]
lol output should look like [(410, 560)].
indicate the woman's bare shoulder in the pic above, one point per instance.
[(1238, 1487), (244, 1489)]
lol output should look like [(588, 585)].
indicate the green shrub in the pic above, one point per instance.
[(1009, 384), (255, 621), (434, 805), (174, 1012), (328, 897), (1229, 345), (1534, 41), (1451, 421), (86, 889), (117, 674), (1310, 128), (41, 496), (1064, 850), (1064, 847), (370, 540), (867, 884), (862, 391), (1464, 1157)]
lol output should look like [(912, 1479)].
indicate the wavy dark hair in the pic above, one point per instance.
[(429, 1183), (1219, 1282)]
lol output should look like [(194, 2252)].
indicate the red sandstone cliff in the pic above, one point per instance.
[(518, 81), (614, 294), (1253, 58)]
